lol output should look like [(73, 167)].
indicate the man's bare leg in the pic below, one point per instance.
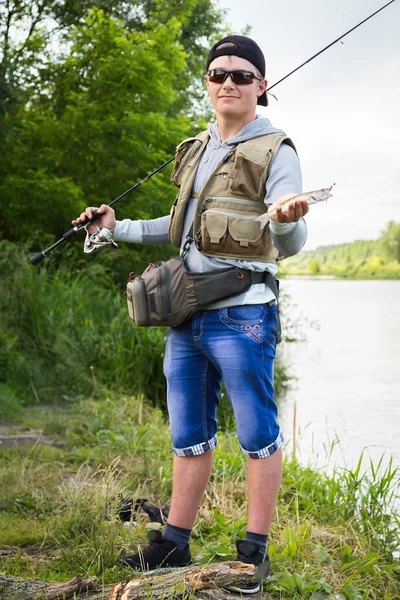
[(264, 476), (191, 475)]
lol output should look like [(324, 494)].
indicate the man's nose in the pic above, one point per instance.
[(229, 81)]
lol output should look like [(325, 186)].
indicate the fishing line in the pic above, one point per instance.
[(151, 203), (329, 46)]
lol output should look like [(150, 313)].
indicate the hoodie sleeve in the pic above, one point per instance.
[(285, 178), (154, 231)]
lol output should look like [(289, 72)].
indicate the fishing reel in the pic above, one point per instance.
[(98, 241)]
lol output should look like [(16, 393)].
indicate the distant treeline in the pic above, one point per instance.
[(362, 259)]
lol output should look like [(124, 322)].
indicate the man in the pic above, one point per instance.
[(226, 177)]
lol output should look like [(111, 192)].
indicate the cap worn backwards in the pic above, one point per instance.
[(244, 47)]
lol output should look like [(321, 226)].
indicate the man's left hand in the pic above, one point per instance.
[(290, 213)]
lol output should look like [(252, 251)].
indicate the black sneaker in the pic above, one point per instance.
[(249, 553), (159, 556)]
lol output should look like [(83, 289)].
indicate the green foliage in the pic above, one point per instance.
[(375, 259), (58, 506), (58, 330), (110, 92), (363, 495), (390, 241), (313, 267)]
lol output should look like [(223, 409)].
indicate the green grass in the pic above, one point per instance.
[(332, 533)]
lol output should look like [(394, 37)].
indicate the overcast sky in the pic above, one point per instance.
[(342, 110)]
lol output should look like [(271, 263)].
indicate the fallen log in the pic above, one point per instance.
[(14, 588), (196, 580), (205, 582)]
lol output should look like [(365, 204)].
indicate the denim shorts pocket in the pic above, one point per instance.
[(246, 320), (247, 313)]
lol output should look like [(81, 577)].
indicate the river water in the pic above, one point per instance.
[(347, 395)]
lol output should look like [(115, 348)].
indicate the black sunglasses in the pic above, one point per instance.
[(238, 77)]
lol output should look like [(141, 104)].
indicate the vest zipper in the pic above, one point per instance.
[(140, 299), (162, 283), (234, 200), (230, 214)]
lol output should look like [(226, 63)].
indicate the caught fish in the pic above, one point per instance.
[(312, 198)]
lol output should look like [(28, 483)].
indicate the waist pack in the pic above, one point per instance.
[(167, 294)]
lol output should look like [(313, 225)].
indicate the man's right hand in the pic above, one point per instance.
[(106, 220)]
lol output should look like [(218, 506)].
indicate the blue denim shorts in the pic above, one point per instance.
[(237, 345)]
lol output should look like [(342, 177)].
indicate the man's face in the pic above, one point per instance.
[(230, 100)]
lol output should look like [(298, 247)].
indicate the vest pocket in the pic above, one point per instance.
[(238, 236), (248, 173)]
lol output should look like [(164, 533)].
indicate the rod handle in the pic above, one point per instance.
[(72, 232), (37, 258), (69, 234), (92, 220)]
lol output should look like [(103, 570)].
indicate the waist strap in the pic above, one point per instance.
[(267, 278)]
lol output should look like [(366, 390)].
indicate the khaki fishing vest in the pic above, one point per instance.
[(229, 202)]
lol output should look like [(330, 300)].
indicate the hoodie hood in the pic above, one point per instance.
[(260, 126)]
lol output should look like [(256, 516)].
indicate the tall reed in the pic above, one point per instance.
[(55, 326)]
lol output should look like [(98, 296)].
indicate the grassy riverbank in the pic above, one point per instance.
[(332, 533)]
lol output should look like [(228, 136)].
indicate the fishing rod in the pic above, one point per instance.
[(37, 258), (72, 232), (330, 45)]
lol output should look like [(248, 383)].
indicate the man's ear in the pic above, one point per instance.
[(262, 86)]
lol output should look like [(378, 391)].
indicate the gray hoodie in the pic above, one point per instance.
[(284, 178)]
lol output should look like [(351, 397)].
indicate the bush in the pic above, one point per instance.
[(62, 335)]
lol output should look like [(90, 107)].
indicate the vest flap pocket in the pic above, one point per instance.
[(249, 173), (244, 231), (216, 226), (233, 235)]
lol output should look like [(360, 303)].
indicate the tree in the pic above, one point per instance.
[(101, 98), (390, 241), (29, 28), (313, 267)]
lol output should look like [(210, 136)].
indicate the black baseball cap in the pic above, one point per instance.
[(244, 47)]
